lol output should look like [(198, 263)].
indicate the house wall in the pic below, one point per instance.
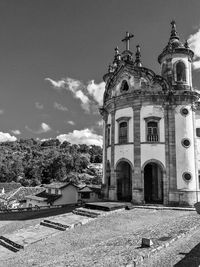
[(53, 191), (93, 197), (69, 195), (34, 203), (152, 150)]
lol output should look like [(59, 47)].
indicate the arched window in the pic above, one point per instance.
[(124, 86), (180, 72), (123, 132), (152, 131)]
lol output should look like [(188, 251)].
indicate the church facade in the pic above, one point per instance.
[(151, 128)]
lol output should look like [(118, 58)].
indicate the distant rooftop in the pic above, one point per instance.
[(57, 185), (9, 186)]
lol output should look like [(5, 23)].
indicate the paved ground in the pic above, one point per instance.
[(34, 233), (113, 240), (185, 252)]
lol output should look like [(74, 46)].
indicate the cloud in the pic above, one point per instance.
[(60, 107), (84, 99), (56, 84), (85, 136), (39, 105), (76, 87), (71, 122), (96, 91), (100, 123), (44, 128), (1, 111), (194, 42), (6, 137), (16, 132), (89, 95)]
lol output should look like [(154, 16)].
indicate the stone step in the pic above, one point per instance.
[(9, 244), (57, 224), (85, 213), (51, 225)]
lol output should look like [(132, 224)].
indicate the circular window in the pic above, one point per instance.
[(187, 176), (184, 111), (186, 142)]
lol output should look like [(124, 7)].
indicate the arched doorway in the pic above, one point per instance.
[(124, 181), (153, 183)]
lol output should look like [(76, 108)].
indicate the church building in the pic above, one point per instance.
[(151, 128)]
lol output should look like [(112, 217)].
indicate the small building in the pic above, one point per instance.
[(57, 193), (90, 193), (17, 197)]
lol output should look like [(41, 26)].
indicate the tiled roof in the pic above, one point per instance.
[(9, 186), (21, 193), (36, 198), (85, 189), (91, 188), (58, 185), (50, 197)]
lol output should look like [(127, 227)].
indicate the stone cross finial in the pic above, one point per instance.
[(127, 39), (173, 30)]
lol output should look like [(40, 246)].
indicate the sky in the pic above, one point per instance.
[(54, 53)]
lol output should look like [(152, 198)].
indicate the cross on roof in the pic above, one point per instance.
[(127, 39)]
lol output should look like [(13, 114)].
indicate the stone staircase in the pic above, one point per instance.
[(9, 244), (55, 225), (87, 212)]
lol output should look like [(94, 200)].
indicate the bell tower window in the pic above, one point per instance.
[(180, 72)]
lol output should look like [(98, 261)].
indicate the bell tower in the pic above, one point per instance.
[(180, 138), (176, 61)]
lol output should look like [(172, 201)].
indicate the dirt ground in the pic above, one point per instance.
[(113, 240)]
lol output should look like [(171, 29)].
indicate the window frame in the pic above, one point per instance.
[(152, 119), (175, 72), (121, 120)]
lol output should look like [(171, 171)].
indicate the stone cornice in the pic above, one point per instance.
[(139, 97)]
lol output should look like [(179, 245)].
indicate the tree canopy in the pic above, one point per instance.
[(33, 162)]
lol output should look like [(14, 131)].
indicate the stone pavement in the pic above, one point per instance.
[(33, 234)]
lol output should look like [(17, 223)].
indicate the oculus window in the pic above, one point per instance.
[(187, 176)]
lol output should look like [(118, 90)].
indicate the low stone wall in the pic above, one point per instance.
[(33, 213)]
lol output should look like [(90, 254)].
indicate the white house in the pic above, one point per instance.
[(56, 193)]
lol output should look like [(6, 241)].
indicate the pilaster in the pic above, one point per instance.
[(137, 186), (169, 180), (113, 185)]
